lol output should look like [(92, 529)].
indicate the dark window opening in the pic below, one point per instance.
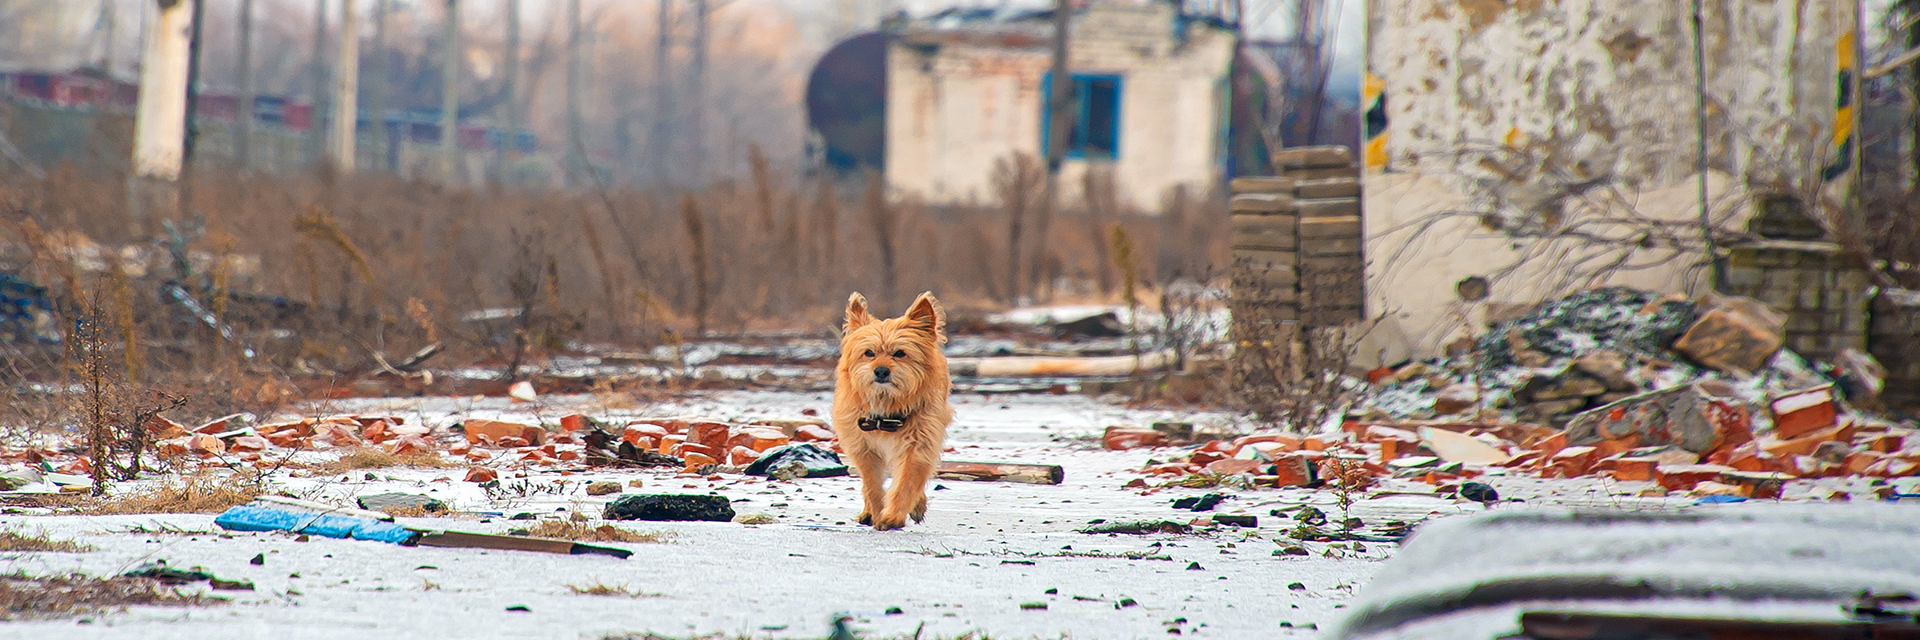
[(1096, 117)]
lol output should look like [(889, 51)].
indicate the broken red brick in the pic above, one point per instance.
[(758, 439), (1805, 444), (1894, 468), (812, 433), (1733, 337), (482, 474), (1118, 437), (1572, 461), (1634, 469), (1682, 477), (205, 445), (1203, 457), (1856, 463), (1802, 412), (1377, 433), (685, 449), (1318, 443), (498, 430), (1287, 443), (1886, 443), (249, 444), (1750, 457), (573, 422), (697, 460), (512, 442), (1168, 469), (712, 435), (160, 428), (1136, 483), (1550, 445), (667, 443), (1234, 466), (376, 432), (742, 456)]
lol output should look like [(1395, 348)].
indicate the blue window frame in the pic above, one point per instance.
[(1096, 121)]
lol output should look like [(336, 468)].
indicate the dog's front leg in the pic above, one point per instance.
[(909, 495), (873, 479)]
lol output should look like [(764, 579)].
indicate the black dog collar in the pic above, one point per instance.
[(883, 423)]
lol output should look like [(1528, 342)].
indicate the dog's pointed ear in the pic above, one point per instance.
[(926, 315), (857, 315)]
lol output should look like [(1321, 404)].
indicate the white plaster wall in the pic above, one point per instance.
[(1496, 106), (952, 114)]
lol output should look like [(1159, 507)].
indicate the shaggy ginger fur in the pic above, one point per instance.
[(893, 369)]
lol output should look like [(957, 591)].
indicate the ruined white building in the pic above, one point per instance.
[(1549, 147), (967, 89)]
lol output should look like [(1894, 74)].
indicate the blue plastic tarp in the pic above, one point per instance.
[(251, 518)]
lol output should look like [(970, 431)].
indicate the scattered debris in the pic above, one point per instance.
[(400, 502), (668, 507), (812, 461), (604, 488), (1001, 471), (1140, 527)]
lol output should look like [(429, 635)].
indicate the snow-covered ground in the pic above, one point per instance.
[(986, 548)]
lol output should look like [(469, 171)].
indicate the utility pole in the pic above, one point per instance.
[(450, 97), (1700, 143), (193, 99), (697, 92), (663, 94), (377, 91), (243, 123), (317, 82), (1060, 108), (160, 119), (346, 91), (510, 142), (106, 27), (576, 164)]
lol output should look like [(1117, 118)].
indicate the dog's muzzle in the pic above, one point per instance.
[(882, 424)]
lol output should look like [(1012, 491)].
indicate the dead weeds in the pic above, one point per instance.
[(359, 459), (27, 597), (16, 541), (580, 532), (604, 589), (194, 494)]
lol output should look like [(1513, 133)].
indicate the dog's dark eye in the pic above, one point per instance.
[(899, 353), (869, 353)]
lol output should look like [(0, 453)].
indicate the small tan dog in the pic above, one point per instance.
[(890, 406)]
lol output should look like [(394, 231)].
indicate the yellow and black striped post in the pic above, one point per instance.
[(1374, 96), (1841, 147)]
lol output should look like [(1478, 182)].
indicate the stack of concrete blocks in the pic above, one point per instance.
[(1332, 271), (1265, 297), (1893, 338), (1822, 293)]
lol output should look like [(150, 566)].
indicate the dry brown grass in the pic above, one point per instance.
[(358, 459), (26, 597), (604, 589), (16, 541), (581, 532), (193, 494)]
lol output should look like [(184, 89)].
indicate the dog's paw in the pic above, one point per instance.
[(865, 518), (919, 512), (889, 523)]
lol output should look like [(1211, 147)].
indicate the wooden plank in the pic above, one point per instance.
[(1001, 471), (460, 540), (1324, 247), (1062, 365)]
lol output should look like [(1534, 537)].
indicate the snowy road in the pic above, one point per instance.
[(985, 550)]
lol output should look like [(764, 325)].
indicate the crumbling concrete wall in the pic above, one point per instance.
[(1550, 146), (961, 98)]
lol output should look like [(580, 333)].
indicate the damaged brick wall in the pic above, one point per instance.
[(1548, 147), (1822, 295)]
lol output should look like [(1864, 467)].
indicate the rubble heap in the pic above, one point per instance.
[(1687, 395)]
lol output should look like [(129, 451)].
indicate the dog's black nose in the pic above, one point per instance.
[(882, 373)]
